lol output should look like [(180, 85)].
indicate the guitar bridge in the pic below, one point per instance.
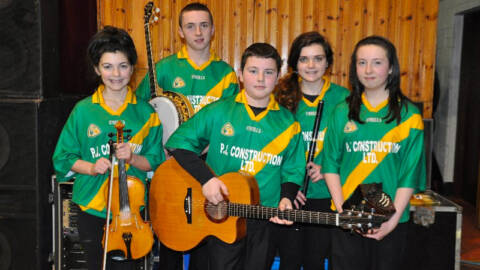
[(187, 205)]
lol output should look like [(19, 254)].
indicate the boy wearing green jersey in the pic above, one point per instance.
[(375, 136), (200, 75), (253, 134), (195, 71)]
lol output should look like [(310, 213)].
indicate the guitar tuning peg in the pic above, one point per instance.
[(155, 19), (157, 10), (111, 134)]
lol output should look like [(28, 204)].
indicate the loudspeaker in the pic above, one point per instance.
[(23, 47), (28, 133)]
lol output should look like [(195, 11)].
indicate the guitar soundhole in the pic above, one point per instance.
[(217, 212)]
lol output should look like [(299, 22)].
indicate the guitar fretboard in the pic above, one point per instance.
[(263, 212)]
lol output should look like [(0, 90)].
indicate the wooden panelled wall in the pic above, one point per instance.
[(410, 24)]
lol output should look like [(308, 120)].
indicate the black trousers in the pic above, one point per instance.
[(247, 253), (173, 260), (306, 245), (353, 251), (90, 229)]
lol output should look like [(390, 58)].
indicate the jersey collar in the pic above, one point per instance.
[(272, 106), (97, 98), (183, 54), (370, 107), (325, 88)]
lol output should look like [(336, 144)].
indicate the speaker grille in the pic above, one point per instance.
[(20, 49), (19, 123)]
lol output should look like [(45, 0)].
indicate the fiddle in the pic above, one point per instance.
[(127, 232)]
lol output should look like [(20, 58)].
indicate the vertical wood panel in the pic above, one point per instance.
[(381, 17), (330, 30), (410, 24)]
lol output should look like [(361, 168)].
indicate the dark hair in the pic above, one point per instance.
[(262, 50), (396, 100), (194, 7), (109, 39), (288, 92)]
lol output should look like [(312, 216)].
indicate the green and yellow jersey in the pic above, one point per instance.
[(376, 151), (332, 94), (267, 146), (85, 137), (202, 85)]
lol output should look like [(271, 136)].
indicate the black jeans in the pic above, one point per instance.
[(353, 251)]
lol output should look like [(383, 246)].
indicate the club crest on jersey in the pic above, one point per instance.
[(227, 130), (178, 83), (350, 127), (93, 131)]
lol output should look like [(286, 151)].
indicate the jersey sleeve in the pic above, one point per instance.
[(67, 151), (293, 168), (231, 85), (143, 90), (332, 145), (412, 171), (194, 134), (153, 145)]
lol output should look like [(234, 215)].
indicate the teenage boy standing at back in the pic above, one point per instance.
[(253, 134), (194, 71), (197, 73)]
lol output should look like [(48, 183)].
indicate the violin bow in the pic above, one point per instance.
[(109, 203)]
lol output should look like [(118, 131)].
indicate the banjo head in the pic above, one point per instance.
[(168, 115)]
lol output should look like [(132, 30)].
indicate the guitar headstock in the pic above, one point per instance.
[(360, 220), (149, 10)]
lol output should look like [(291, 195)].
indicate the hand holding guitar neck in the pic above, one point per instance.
[(183, 217)]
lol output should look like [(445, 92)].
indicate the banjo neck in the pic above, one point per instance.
[(148, 43)]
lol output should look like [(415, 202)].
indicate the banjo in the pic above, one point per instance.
[(172, 108)]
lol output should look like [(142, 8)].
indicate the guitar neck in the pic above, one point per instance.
[(263, 212)]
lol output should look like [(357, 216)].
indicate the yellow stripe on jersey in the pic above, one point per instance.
[(217, 90), (153, 121), (99, 201), (277, 145), (397, 134), (319, 147)]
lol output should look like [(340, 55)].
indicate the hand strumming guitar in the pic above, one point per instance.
[(214, 190)]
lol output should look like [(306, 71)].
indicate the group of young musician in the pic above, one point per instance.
[(370, 134)]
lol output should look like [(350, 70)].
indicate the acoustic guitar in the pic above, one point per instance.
[(182, 217)]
